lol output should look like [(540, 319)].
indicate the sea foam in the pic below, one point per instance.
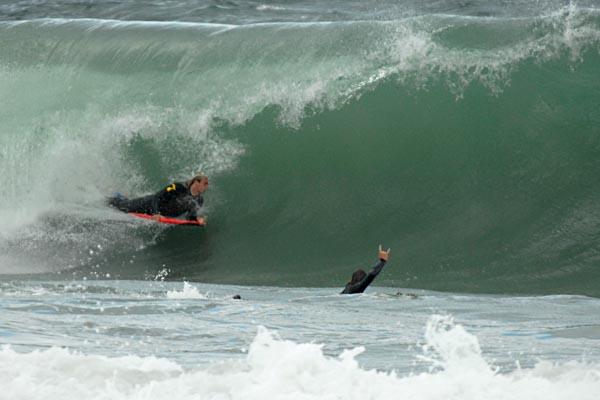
[(189, 291), (282, 369)]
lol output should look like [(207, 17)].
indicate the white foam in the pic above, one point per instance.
[(268, 7), (188, 292), (55, 182), (282, 369)]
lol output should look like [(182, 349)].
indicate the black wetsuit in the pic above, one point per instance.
[(173, 201), (361, 285)]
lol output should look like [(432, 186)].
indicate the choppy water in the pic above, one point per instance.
[(462, 134), (132, 339)]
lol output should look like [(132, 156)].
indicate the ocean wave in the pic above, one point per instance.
[(469, 143), (276, 368)]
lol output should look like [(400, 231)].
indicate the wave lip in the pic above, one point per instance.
[(252, 11)]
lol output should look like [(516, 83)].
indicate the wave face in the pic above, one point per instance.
[(469, 145)]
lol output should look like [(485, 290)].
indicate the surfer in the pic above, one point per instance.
[(176, 200), (360, 279)]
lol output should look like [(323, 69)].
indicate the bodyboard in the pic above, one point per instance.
[(168, 220)]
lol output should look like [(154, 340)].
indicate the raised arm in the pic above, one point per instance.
[(359, 287), (383, 256)]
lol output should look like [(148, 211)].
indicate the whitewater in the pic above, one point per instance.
[(464, 135), (180, 340)]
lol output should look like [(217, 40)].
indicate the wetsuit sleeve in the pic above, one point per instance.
[(374, 272), (360, 287), (195, 206)]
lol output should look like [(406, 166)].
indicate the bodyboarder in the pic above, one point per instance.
[(178, 199)]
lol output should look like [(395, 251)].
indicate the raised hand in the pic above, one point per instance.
[(384, 254)]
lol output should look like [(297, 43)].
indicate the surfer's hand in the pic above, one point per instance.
[(383, 254), (201, 220), (156, 217)]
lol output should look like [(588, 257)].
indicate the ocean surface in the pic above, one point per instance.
[(464, 135)]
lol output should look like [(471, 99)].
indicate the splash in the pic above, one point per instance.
[(277, 368), (188, 292)]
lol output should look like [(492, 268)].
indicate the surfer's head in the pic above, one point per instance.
[(198, 184), (357, 276)]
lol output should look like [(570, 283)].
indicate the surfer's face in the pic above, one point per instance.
[(199, 187)]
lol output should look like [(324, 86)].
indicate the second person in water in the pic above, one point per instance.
[(361, 280)]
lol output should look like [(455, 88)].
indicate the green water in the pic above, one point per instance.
[(470, 146)]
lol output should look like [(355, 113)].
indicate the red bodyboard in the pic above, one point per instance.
[(168, 220)]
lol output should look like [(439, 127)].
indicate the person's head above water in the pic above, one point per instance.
[(360, 274), (357, 276), (198, 184)]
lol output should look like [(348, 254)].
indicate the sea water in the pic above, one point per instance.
[(154, 340), (463, 135)]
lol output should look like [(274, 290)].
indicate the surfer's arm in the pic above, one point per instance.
[(373, 273), (383, 256), (361, 285), (200, 218), (195, 207)]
